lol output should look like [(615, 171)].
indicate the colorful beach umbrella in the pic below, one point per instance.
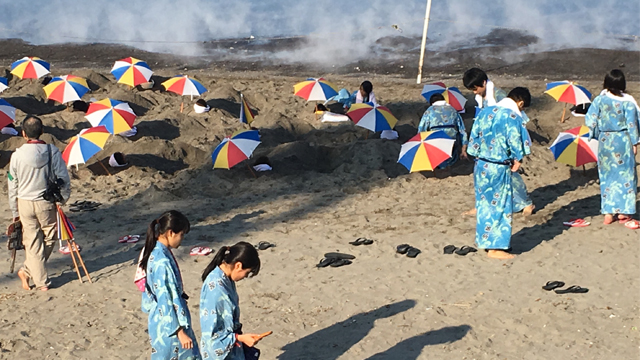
[(452, 95), (84, 145), (65, 227), (373, 117), (315, 89), (185, 86), (4, 84), (573, 147), (568, 93), (131, 71), (116, 116), (246, 115), (66, 88), (30, 68), (7, 113), (235, 148), (426, 151)]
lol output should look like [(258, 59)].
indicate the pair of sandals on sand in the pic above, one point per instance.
[(84, 206), (574, 289), (628, 221), (264, 245), (463, 251), (335, 259), (406, 249)]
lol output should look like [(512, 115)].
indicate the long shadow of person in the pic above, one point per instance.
[(412, 347), (336, 339), (546, 195)]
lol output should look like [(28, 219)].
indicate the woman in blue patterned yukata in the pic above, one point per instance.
[(442, 116), (164, 299), (613, 120), (222, 337), (498, 144)]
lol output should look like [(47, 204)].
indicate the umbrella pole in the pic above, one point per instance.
[(252, 173), (584, 171), (70, 244), (424, 41), (563, 112), (181, 106), (366, 135), (104, 167), (315, 111), (81, 261)]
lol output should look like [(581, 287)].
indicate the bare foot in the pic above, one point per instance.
[(25, 280), (471, 212), (528, 210), (44, 288), (500, 254), (608, 219)]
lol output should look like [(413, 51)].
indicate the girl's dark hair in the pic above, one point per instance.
[(615, 82), (171, 220), (436, 97), (474, 78), (520, 94), (242, 252), (367, 87)]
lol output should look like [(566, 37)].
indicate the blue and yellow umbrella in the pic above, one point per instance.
[(573, 147), (426, 151), (235, 149)]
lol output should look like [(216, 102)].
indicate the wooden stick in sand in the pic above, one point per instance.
[(564, 110), (73, 247), (104, 167), (181, 106), (75, 264), (250, 169), (81, 261)]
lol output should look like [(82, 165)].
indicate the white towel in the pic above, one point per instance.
[(489, 95), (360, 100), (200, 109), (389, 135), (114, 164), (9, 131), (129, 133), (262, 167), (333, 117)]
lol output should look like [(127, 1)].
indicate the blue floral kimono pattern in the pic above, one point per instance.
[(615, 124), (220, 318), (166, 307), (445, 118), (521, 197), (495, 141)]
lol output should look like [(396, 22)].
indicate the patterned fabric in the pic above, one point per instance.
[(445, 118), (615, 124), (167, 308), (220, 318), (496, 139), (521, 197)]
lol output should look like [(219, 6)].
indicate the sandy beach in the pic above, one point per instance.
[(331, 184)]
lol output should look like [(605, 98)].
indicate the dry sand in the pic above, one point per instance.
[(329, 186)]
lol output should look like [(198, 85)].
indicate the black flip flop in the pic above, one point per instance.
[(553, 285), (465, 250), (264, 245), (326, 262), (341, 262), (403, 248), (575, 289), (336, 255), (449, 249), (361, 241), (413, 252)]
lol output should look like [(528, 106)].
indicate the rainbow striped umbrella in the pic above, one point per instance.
[(65, 227), (66, 88), (4, 84), (116, 116), (246, 115), (184, 85), (573, 147), (131, 71), (373, 117), (315, 89), (568, 92), (235, 148), (7, 113), (84, 145), (426, 151), (30, 68), (452, 95)]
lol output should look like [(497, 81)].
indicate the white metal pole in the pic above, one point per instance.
[(424, 40)]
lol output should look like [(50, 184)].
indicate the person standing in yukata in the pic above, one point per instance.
[(444, 117), (164, 299), (222, 337), (613, 120), (496, 141), (487, 94)]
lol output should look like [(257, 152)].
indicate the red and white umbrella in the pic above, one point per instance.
[(452, 95), (7, 113)]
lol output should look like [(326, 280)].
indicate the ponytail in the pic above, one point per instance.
[(242, 252), (171, 220)]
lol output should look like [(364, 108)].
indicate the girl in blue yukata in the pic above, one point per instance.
[(164, 299), (613, 120), (363, 95), (222, 337), (442, 116)]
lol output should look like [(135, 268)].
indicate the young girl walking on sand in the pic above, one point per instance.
[(222, 337), (164, 299)]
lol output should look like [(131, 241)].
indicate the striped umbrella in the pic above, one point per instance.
[(426, 151), (30, 68), (568, 93), (4, 84), (84, 145), (235, 149), (373, 117), (184, 85), (7, 113), (573, 147), (131, 71), (452, 95), (315, 89), (116, 116), (66, 88), (65, 227), (246, 115)]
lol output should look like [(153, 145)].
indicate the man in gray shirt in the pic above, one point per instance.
[(27, 177)]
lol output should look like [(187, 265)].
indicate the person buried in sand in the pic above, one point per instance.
[(487, 94), (222, 337), (363, 95), (613, 120), (163, 298), (442, 116), (28, 174), (496, 141)]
